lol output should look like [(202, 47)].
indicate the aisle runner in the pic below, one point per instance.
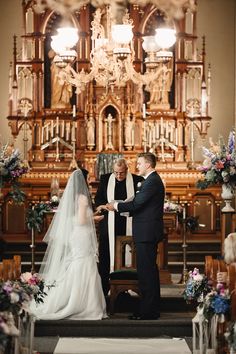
[(121, 345)]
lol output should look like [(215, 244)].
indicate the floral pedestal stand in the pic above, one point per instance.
[(227, 195)]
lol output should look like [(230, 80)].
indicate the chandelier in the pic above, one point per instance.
[(112, 55)]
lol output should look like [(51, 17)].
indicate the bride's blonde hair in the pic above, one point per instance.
[(230, 248)]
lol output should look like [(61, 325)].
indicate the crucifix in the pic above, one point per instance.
[(109, 120)]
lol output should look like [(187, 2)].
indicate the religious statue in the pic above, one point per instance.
[(128, 133), (90, 125), (61, 91), (159, 89)]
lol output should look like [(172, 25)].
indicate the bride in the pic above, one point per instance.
[(70, 261)]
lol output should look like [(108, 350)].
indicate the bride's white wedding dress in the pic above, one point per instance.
[(77, 293)]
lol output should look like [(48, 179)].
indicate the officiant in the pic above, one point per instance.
[(119, 185)]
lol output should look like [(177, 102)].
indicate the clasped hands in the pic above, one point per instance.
[(108, 207)]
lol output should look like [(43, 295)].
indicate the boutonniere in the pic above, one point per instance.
[(139, 185)]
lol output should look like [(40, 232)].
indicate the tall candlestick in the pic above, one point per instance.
[(144, 110), (74, 111)]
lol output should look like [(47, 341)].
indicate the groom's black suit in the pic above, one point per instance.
[(147, 211)]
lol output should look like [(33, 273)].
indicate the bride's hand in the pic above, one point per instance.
[(98, 218), (100, 208)]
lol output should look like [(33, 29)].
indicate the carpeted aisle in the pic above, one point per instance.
[(121, 345)]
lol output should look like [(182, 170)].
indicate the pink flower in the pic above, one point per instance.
[(25, 277), (219, 165)]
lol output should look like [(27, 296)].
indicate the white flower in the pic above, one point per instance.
[(198, 277), (54, 198), (25, 277), (14, 297)]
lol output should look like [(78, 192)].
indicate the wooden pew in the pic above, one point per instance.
[(10, 269)]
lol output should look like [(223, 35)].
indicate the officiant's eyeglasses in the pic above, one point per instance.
[(120, 173)]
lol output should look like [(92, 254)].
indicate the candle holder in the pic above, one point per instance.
[(184, 275)]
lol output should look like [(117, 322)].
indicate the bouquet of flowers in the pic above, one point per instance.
[(33, 285), (11, 165), (217, 302), (219, 165), (196, 287)]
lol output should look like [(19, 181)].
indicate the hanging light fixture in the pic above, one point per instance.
[(112, 57), (62, 44), (165, 38)]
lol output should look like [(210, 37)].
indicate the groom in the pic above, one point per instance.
[(147, 211)]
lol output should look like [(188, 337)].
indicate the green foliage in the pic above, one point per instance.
[(35, 216)]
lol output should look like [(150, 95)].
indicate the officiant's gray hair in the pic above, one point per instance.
[(121, 162)]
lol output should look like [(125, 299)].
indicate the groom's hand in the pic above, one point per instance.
[(110, 206)]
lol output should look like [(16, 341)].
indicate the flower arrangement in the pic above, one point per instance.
[(34, 285), (11, 165), (216, 302), (219, 166), (196, 287), (172, 207), (15, 297), (54, 201)]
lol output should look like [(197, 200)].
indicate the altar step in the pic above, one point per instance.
[(169, 325), (175, 321)]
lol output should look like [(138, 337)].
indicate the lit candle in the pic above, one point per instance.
[(144, 110), (42, 137), (132, 137), (157, 131), (176, 137), (184, 213), (153, 134), (162, 127), (52, 126), (73, 132), (167, 130), (74, 111), (57, 126), (47, 133), (67, 131), (62, 128), (171, 133)]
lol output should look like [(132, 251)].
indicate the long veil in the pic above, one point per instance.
[(75, 208)]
